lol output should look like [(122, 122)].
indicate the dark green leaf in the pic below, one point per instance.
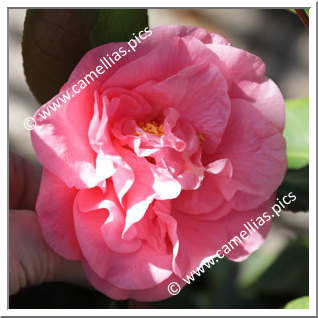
[(297, 132), (55, 40), (115, 25), (53, 43)]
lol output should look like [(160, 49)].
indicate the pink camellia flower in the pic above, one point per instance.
[(158, 162)]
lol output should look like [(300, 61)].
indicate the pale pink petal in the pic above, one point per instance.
[(54, 207), (101, 242), (206, 199), (161, 34), (156, 293), (207, 107), (257, 154), (61, 142), (248, 82), (255, 234), (204, 237), (99, 224), (197, 240), (150, 183), (164, 60)]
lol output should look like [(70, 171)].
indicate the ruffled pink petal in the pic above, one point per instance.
[(61, 142), (207, 107), (158, 228), (103, 143), (99, 224), (162, 33), (161, 62), (248, 82), (257, 154), (150, 183), (159, 35), (208, 199), (197, 240), (142, 269), (93, 247), (256, 233), (54, 207), (126, 263), (204, 237)]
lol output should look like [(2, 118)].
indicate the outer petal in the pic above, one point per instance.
[(197, 240), (201, 239), (93, 211), (159, 35), (162, 33), (257, 154), (235, 224), (246, 72), (55, 209), (61, 142), (135, 267), (156, 293)]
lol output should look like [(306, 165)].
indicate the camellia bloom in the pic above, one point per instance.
[(156, 164)]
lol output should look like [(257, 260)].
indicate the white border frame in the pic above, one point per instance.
[(312, 168)]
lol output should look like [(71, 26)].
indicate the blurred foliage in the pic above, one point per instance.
[(288, 275), (299, 303), (296, 132)]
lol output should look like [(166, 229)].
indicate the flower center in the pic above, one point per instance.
[(152, 128)]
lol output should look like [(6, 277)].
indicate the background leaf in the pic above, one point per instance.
[(55, 40), (297, 132), (299, 303), (53, 43), (115, 25)]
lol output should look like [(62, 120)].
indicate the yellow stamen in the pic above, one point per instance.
[(152, 128)]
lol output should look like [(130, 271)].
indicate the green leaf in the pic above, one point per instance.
[(297, 132), (53, 43), (55, 40), (115, 25), (298, 303), (293, 11)]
